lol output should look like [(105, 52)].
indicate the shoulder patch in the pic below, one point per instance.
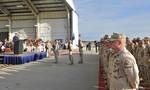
[(128, 63)]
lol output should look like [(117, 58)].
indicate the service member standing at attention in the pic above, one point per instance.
[(56, 50), (146, 59), (123, 71), (80, 45), (70, 53)]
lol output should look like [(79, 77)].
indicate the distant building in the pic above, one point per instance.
[(45, 19)]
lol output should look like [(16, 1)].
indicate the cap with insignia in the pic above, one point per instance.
[(146, 38), (117, 36)]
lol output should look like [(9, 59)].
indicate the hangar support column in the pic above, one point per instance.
[(68, 23), (9, 28), (37, 26)]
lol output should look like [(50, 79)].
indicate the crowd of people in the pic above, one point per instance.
[(38, 45), (53, 47), (91, 45), (125, 61)]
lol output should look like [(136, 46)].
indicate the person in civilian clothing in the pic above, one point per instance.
[(16, 37)]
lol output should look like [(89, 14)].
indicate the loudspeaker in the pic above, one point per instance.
[(18, 47)]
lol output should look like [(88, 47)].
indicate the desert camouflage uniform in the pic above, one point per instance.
[(80, 45), (146, 58), (123, 71), (140, 60), (130, 47), (135, 50), (105, 54)]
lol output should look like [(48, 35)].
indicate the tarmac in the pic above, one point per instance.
[(46, 75)]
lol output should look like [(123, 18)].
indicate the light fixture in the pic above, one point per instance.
[(19, 6), (35, 25), (7, 25)]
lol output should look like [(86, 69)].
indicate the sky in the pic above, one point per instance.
[(100, 17)]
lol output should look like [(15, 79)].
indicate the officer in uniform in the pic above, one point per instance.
[(70, 53), (140, 55), (105, 53), (130, 45), (123, 70), (80, 45), (146, 58), (56, 50)]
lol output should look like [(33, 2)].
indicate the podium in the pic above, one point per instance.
[(18, 47)]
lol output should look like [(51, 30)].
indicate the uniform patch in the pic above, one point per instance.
[(128, 63)]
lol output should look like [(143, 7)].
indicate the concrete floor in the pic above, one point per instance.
[(45, 75)]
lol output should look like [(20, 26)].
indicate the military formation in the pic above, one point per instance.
[(126, 62), (140, 48)]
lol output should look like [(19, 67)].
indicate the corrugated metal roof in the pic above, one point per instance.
[(30, 7)]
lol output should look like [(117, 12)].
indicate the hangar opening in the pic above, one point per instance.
[(45, 19)]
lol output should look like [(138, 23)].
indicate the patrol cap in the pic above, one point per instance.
[(146, 38), (117, 36), (106, 36)]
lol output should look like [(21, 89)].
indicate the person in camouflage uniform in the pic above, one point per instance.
[(80, 45), (105, 54), (136, 44), (70, 53), (130, 45), (123, 70), (146, 58), (140, 55)]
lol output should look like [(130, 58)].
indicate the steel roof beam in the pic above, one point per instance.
[(31, 7), (4, 10), (9, 1)]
